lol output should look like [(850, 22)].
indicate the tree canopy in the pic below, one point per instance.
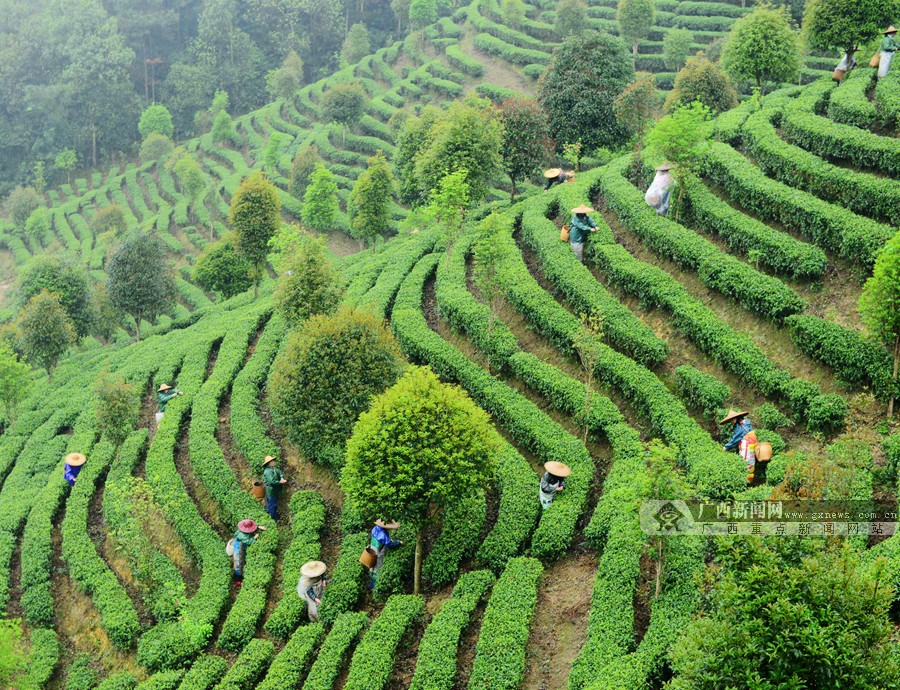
[(220, 268), (67, 280), (526, 139), (255, 216), (635, 18), (703, 81), (156, 119), (343, 103), (45, 331), (320, 201), (138, 282), (421, 447), (839, 24), (309, 284), (879, 304), (578, 88), (371, 199), (763, 48)]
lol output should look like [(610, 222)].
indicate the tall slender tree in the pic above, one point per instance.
[(879, 305), (255, 217), (370, 201)]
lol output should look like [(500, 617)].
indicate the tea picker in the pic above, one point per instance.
[(552, 482), (311, 587), (163, 395)]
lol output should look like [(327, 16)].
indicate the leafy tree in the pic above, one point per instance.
[(64, 278), (413, 138), (370, 200), (255, 216), (879, 304), (320, 201), (223, 130), (21, 203), (468, 136), (138, 282), (836, 25), (422, 13), (286, 81), (778, 595), (156, 147), (400, 8), (682, 138), (420, 447), (326, 376), (513, 13), (309, 284), (106, 318), (635, 18), (344, 103), (39, 224), (190, 178), (678, 44), (703, 81), (13, 652), (302, 168), (272, 153), (15, 380), (156, 119), (762, 47), (117, 407), (637, 106), (579, 86), (448, 207), (109, 219), (571, 18), (356, 45), (66, 160), (45, 331), (220, 268), (40, 180), (526, 139)]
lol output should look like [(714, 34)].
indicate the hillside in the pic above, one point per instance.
[(747, 301), (468, 52)]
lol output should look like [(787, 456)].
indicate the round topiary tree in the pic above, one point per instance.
[(422, 446), (579, 86), (325, 377), (156, 119)]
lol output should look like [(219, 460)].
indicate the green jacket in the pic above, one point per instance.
[(244, 538), (889, 45), (163, 398), (272, 477), (579, 227)]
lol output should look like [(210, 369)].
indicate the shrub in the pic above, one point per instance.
[(374, 658), (849, 104), (768, 416), (344, 633), (249, 667), (701, 390), (288, 667), (325, 376), (826, 413), (164, 680), (436, 663), (500, 653), (205, 672)]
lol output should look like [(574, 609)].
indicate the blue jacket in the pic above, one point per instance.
[(381, 539), (740, 430)]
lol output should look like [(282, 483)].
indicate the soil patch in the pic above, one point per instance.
[(559, 627)]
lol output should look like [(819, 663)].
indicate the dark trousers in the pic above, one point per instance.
[(272, 507)]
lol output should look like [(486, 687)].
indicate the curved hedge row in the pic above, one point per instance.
[(500, 652), (838, 141), (344, 634), (887, 99), (164, 680), (461, 521), (459, 59), (772, 248), (436, 663), (621, 327), (860, 192), (247, 429), (45, 653), (715, 473), (171, 645), (374, 658), (345, 586), (291, 662), (206, 672), (307, 520), (849, 103), (753, 290), (86, 567), (249, 666), (700, 390), (854, 357), (380, 296), (510, 53), (524, 420), (37, 542), (832, 227), (147, 563)]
